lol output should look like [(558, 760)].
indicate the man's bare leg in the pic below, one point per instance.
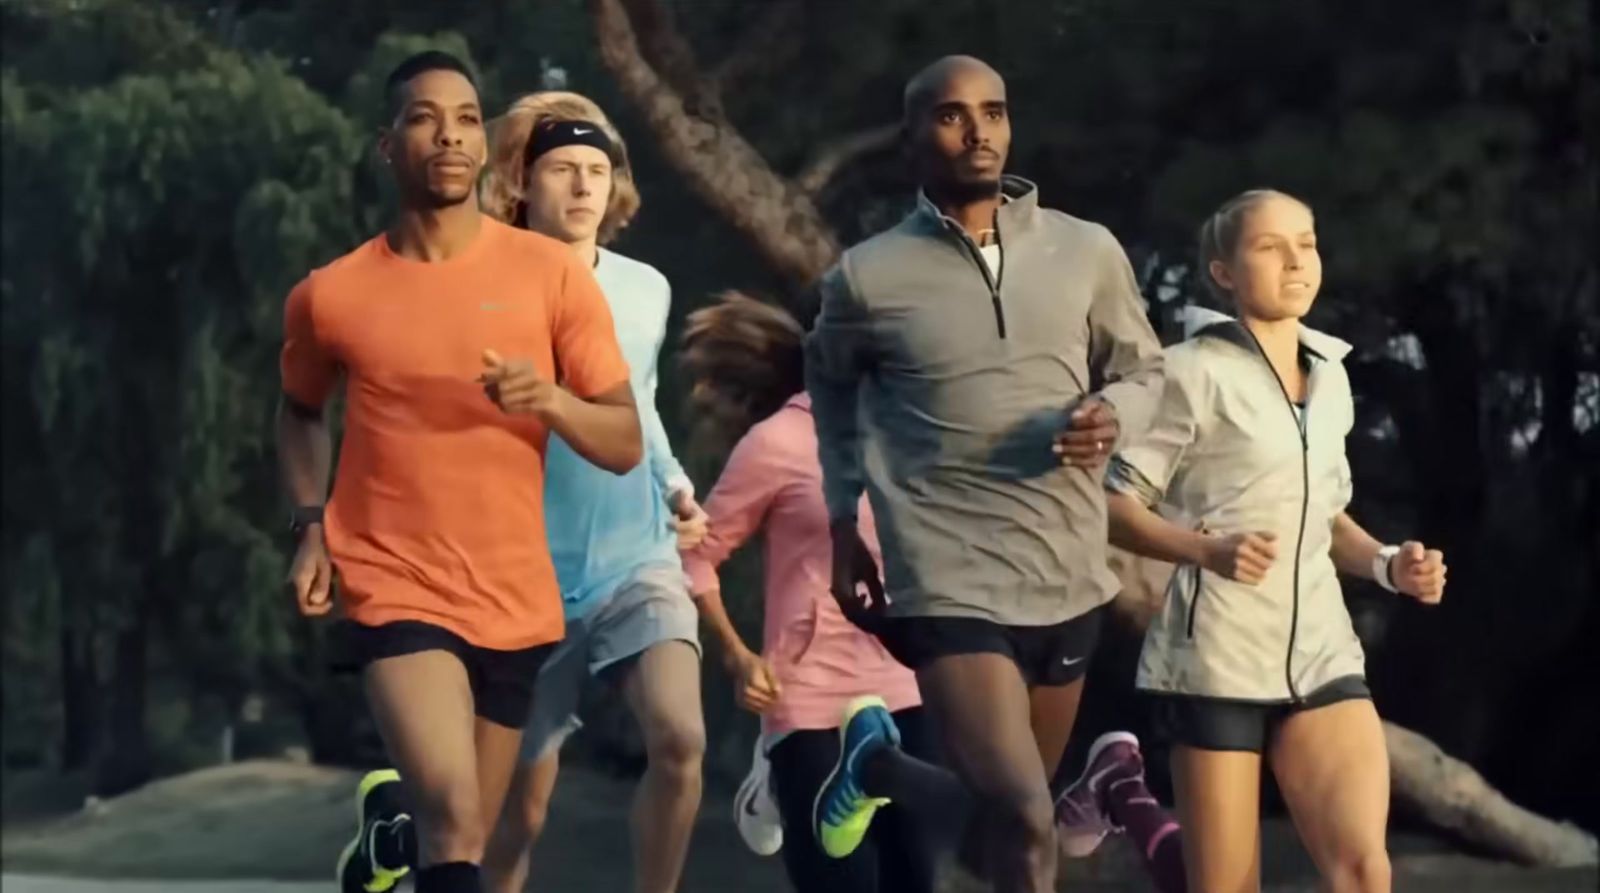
[(506, 860), (497, 747), (982, 710), (662, 687), (1052, 712), (423, 705)]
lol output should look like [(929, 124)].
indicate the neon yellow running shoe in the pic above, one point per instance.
[(375, 860), (843, 812)]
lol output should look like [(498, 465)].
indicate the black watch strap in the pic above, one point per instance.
[(303, 517)]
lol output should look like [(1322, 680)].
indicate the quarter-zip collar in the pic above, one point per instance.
[(1019, 205)]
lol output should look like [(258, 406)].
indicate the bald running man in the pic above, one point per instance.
[(972, 369)]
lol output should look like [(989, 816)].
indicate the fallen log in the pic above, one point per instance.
[(1450, 794)]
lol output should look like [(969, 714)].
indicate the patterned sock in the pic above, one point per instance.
[(1152, 829)]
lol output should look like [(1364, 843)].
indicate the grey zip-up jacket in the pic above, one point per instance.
[(941, 387), (1231, 453)]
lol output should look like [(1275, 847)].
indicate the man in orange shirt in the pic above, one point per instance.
[(462, 343)]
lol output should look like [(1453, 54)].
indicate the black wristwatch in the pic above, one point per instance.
[(303, 517)]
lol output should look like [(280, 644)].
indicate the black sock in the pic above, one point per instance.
[(922, 787), (449, 877)]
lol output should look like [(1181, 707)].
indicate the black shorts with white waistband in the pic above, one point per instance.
[(1057, 654)]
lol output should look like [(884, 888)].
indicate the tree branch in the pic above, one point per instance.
[(832, 157), (763, 46), (718, 163), (664, 48)]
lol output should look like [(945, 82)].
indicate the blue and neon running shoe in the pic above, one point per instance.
[(843, 811)]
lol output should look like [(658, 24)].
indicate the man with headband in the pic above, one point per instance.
[(558, 167)]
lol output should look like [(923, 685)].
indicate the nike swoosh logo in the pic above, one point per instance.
[(750, 805), (580, 131), (1094, 780), (1069, 661)]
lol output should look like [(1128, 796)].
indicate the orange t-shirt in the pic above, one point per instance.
[(437, 507)]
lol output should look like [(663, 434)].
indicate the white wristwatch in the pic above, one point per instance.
[(1380, 567)]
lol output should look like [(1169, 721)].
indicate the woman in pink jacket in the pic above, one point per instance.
[(743, 358)]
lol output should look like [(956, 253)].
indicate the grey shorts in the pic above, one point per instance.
[(649, 606)]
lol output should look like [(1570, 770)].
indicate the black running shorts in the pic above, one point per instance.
[(502, 681), (1046, 655), (1219, 724)]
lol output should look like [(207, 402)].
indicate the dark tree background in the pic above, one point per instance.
[(171, 168)]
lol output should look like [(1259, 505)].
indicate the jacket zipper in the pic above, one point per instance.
[(1194, 600), (1302, 421), (989, 279)]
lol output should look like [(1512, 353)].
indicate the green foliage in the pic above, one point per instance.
[(151, 230), (86, 43), (364, 99)]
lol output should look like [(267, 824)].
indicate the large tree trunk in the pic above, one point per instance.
[(80, 708), (1439, 414), (1445, 437), (125, 762), (1559, 374), (655, 69), (722, 168)]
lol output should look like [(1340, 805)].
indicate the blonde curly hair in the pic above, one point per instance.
[(506, 180)]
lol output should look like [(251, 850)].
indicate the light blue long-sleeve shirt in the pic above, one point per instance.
[(603, 526)]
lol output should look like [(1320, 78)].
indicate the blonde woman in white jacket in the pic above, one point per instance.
[(1253, 654)]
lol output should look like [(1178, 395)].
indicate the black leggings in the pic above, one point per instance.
[(897, 855)]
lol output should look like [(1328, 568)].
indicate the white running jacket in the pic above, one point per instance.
[(1230, 452)]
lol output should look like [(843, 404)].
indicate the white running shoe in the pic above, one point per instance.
[(755, 810)]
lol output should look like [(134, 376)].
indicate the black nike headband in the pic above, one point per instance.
[(550, 135)]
